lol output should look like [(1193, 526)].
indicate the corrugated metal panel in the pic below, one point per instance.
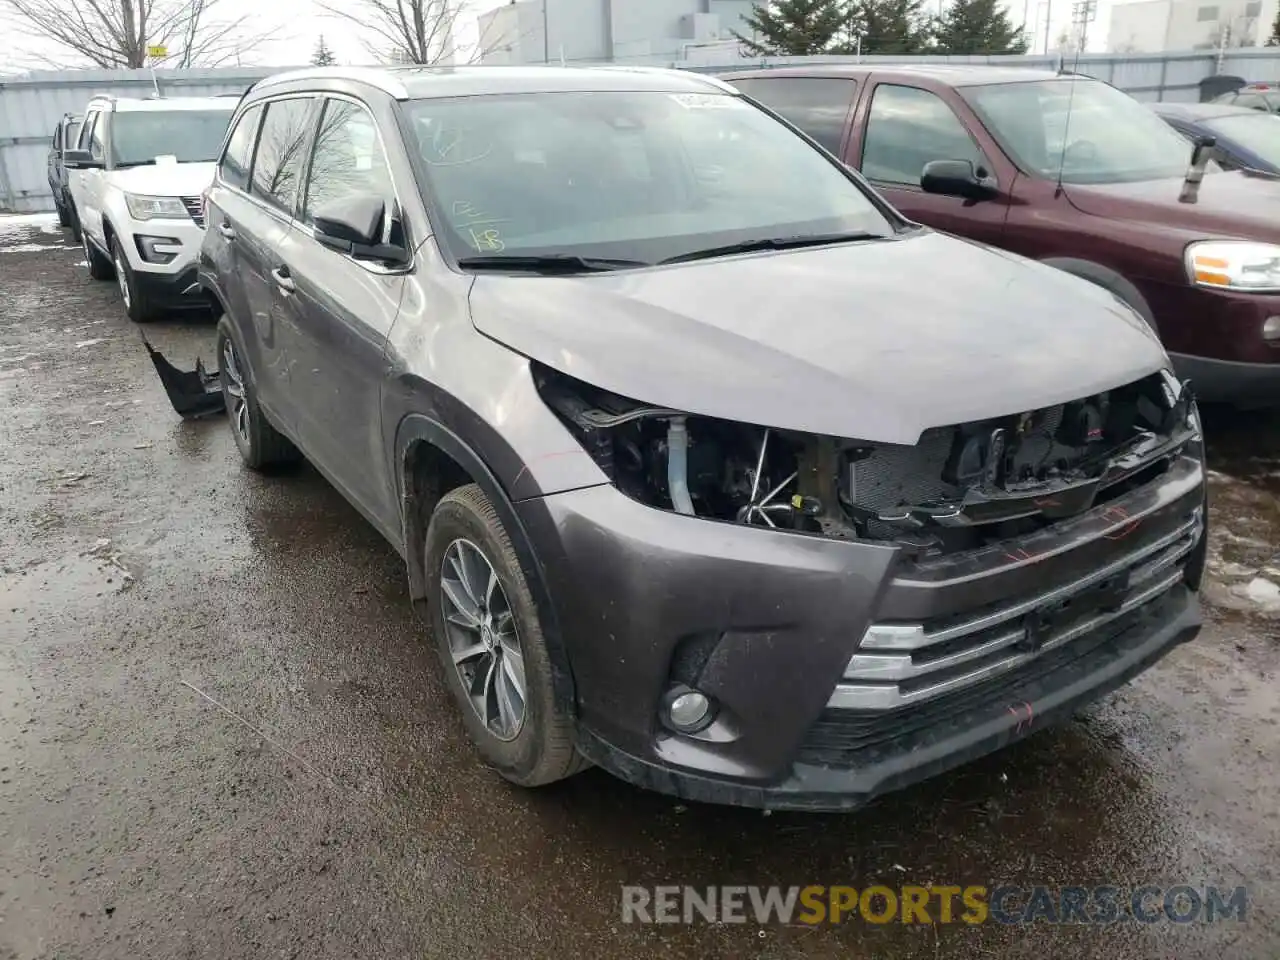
[(30, 106)]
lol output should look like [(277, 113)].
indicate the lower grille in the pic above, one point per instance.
[(195, 207), (848, 739), (900, 664)]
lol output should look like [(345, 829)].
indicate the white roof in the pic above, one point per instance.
[(131, 104)]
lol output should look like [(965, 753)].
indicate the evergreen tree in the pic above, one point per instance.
[(323, 57), (888, 27), (793, 27), (978, 26), (1274, 39)]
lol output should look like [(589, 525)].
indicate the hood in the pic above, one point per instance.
[(1231, 204), (872, 341), (166, 178)]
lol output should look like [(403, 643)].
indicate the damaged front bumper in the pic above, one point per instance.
[(195, 394), (843, 669)]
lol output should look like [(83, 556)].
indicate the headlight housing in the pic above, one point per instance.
[(1240, 265), (142, 207)]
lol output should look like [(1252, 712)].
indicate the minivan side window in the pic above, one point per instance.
[(347, 159), (57, 136), (909, 127), (234, 166), (282, 148), (817, 105)]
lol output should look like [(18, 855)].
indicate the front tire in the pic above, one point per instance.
[(490, 642), (136, 303), (260, 444), (99, 266)]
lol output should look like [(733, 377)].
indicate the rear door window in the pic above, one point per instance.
[(817, 105), (282, 149), (234, 166), (909, 127)]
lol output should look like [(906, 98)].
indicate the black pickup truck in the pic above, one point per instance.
[(65, 136)]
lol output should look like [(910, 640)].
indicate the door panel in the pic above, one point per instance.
[(340, 314), (260, 226), (906, 127)]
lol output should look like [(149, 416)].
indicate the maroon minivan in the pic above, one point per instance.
[(1069, 171)]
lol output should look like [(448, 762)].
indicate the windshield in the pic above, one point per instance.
[(639, 176), (1104, 137), (193, 136), (1259, 133)]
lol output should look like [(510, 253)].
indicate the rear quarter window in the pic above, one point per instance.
[(233, 169)]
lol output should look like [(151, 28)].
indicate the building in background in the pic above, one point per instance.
[(621, 31), (1150, 26)]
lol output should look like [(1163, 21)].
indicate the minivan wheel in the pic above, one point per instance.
[(136, 303), (490, 642), (260, 444), (99, 266), (64, 218)]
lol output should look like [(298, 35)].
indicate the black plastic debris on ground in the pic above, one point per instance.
[(194, 393)]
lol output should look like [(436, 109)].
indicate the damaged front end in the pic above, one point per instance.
[(959, 488)]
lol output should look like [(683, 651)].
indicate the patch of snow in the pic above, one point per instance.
[(16, 225), (89, 343), (1264, 593), (32, 247)]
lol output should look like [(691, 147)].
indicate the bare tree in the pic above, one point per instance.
[(412, 31), (116, 34)]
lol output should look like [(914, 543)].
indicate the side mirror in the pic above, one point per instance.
[(353, 225), (81, 160), (957, 178)]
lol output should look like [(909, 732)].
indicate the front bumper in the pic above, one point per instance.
[(174, 291), (768, 623)]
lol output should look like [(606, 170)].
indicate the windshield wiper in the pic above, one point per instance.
[(548, 263), (774, 243)]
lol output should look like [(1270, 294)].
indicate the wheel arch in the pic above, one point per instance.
[(431, 460), (1108, 279)]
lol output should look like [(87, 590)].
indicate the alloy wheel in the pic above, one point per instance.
[(236, 405), (123, 281), (483, 641)]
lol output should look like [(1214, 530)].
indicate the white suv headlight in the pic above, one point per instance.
[(155, 208), (1235, 265)]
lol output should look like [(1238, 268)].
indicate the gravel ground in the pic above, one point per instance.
[(222, 734)]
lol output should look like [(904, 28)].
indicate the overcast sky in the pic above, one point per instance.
[(298, 24)]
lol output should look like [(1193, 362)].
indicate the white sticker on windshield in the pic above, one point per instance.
[(708, 101)]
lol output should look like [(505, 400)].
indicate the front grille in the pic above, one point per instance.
[(849, 739), (195, 207), (901, 664)]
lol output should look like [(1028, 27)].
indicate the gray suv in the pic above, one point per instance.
[(706, 465)]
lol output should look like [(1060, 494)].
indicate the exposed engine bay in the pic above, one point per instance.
[(960, 487)]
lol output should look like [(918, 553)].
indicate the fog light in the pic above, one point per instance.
[(688, 710), (158, 249), (1271, 328)]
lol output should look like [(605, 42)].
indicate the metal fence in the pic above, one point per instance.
[(31, 105)]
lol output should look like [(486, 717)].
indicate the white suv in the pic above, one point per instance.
[(137, 180)]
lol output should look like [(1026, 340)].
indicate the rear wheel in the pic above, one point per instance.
[(99, 265), (260, 444), (136, 303), (490, 642), (64, 217)]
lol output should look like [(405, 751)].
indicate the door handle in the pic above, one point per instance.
[(281, 276), (227, 230)]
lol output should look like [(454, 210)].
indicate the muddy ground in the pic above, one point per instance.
[(222, 734)]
